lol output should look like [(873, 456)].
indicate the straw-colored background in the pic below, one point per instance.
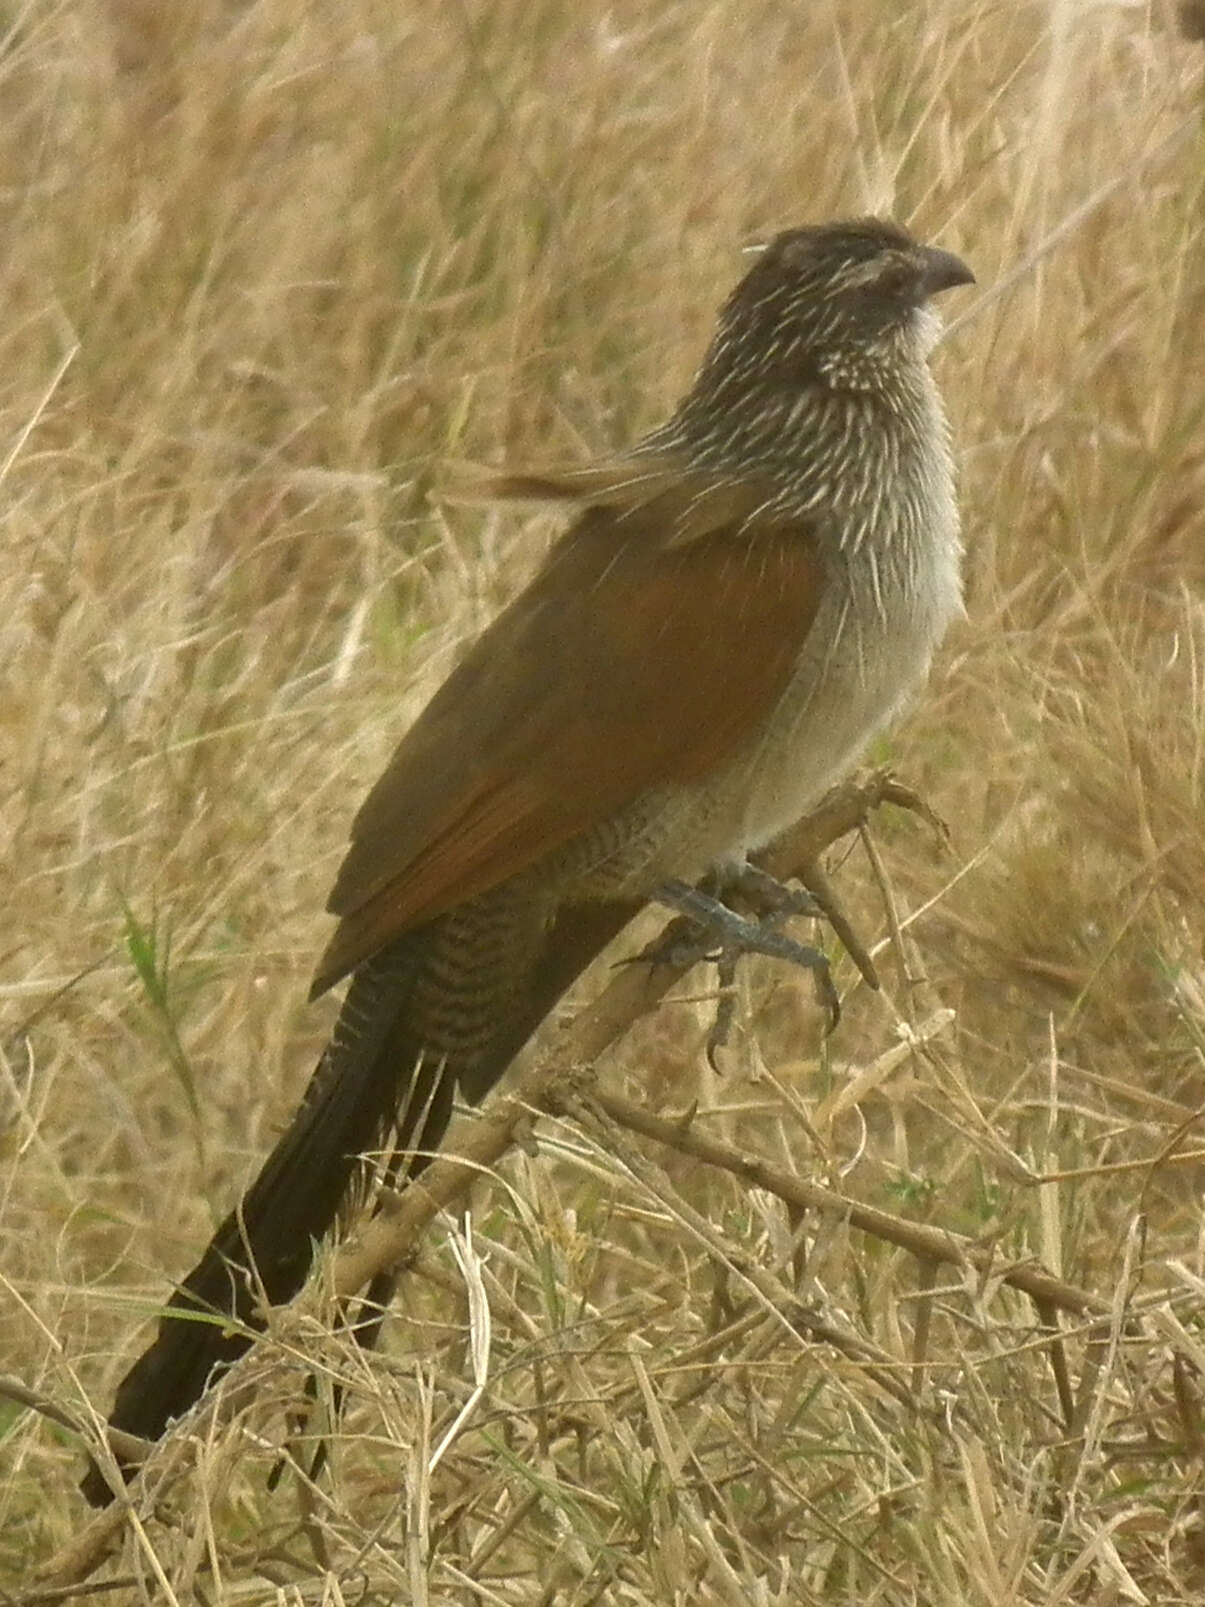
[(262, 270)]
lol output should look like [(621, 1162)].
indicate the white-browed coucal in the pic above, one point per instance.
[(738, 604)]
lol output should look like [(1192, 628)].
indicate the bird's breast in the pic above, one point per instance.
[(892, 585), (888, 602)]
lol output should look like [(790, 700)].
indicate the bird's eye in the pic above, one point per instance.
[(880, 276), (894, 277)]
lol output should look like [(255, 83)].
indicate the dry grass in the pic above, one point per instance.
[(265, 265)]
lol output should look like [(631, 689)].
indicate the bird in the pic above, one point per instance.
[(737, 604)]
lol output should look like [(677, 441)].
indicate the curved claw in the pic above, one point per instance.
[(728, 935)]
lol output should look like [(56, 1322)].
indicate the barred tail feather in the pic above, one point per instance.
[(264, 1248), (448, 1004)]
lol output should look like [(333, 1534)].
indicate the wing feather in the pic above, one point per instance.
[(658, 635)]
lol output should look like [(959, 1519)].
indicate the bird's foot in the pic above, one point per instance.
[(725, 936), (766, 894)]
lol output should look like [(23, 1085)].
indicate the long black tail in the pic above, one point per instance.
[(450, 1003)]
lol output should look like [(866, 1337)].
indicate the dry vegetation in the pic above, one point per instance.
[(267, 264)]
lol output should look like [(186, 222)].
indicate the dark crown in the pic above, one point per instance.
[(823, 289)]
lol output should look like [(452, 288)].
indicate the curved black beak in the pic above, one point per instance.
[(942, 270)]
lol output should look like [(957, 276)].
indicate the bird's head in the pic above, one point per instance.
[(831, 303)]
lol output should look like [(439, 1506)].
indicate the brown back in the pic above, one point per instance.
[(657, 636)]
